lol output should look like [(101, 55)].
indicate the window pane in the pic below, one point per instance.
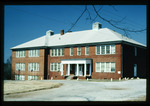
[(58, 66), (107, 49), (59, 52), (107, 67), (103, 49), (102, 67), (87, 50), (112, 66), (56, 52), (97, 67), (55, 66), (112, 49), (79, 51), (52, 50), (51, 66), (71, 51), (62, 51), (98, 49)]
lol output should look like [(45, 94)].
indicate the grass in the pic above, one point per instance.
[(12, 87)]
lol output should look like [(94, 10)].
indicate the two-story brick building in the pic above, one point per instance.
[(99, 53)]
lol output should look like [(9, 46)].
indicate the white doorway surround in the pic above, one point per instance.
[(80, 65)]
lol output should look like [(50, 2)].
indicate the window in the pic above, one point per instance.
[(33, 66), (71, 51), (98, 49), (135, 51), (97, 67), (19, 77), (107, 49), (58, 66), (34, 53), (57, 52), (62, 51), (102, 67), (51, 66), (112, 49), (79, 51), (55, 67), (33, 77), (112, 66), (20, 66), (20, 53), (87, 50), (103, 49), (108, 67), (105, 66)]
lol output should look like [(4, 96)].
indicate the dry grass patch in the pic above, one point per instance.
[(11, 87)]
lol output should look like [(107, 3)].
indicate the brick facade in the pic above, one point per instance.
[(124, 62), (95, 58), (27, 60)]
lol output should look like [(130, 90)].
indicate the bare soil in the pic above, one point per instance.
[(12, 87)]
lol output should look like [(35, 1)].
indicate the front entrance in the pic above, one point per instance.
[(72, 69), (81, 69), (77, 67)]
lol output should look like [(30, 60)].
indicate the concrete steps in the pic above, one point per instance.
[(69, 77)]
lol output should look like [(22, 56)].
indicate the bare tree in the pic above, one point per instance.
[(114, 23), (7, 68)]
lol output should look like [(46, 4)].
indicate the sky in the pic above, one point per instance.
[(23, 23)]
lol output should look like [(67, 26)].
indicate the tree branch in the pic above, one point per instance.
[(110, 22)]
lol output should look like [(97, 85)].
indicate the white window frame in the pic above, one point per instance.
[(105, 70), (86, 50), (33, 66), (19, 77), (78, 50), (34, 53), (33, 77), (71, 51), (20, 66), (20, 54), (106, 49), (111, 49)]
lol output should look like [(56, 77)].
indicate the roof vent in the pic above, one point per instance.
[(97, 26), (49, 32)]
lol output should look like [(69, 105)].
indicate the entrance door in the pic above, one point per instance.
[(135, 70), (80, 70)]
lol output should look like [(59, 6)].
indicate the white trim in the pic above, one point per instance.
[(86, 49), (75, 61), (78, 50), (70, 51)]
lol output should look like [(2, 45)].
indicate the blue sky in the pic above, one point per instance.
[(23, 23)]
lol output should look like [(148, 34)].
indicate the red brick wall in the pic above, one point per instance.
[(27, 60), (96, 58)]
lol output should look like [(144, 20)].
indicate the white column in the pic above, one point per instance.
[(68, 69), (61, 68), (90, 70), (85, 69), (77, 69)]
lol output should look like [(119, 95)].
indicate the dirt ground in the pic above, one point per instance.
[(12, 87), (76, 90)]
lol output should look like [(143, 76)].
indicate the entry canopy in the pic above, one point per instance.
[(76, 61)]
